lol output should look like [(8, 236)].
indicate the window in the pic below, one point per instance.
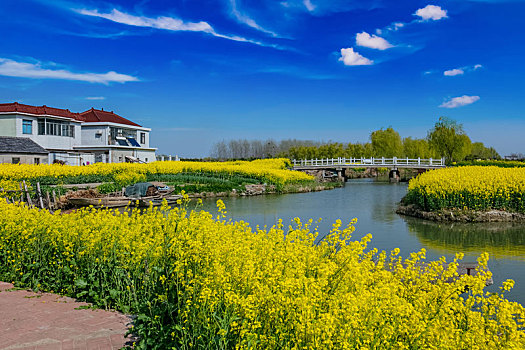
[(37, 160), (56, 128), (146, 160), (143, 137), (27, 126), (15, 160)]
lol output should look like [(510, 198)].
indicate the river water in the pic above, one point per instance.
[(373, 203)]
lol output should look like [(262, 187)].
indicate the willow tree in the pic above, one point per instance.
[(449, 140), (386, 143)]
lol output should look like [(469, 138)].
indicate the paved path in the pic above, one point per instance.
[(44, 321)]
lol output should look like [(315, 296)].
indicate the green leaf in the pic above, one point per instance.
[(80, 283)]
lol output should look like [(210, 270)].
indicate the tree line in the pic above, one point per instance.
[(446, 139)]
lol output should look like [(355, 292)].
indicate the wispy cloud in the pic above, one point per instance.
[(162, 22), (243, 18), (431, 12), (36, 70), (351, 58), (95, 98), (324, 7), (453, 72), (167, 23), (372, 41), (461, 71), (459, 101), (309, 6)]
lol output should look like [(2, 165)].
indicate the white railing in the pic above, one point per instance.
[(370, 162)]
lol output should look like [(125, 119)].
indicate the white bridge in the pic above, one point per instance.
[(394, 164)]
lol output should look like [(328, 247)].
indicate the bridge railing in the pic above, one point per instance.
[(367, 162)]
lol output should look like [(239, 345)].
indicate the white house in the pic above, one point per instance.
[(77, 138), (114, 139)]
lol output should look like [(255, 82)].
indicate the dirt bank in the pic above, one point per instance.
[(456, 215)]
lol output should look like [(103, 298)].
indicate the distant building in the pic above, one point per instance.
[(77, 138), (514, 156), (21, 150)]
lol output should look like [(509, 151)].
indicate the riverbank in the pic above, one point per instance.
[(262, 189), (458, 215)]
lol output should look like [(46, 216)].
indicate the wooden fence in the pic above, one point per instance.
[(32, 197)]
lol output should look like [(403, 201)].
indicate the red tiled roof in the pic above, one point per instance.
[(90, 116), (38, 110), (97, 116)]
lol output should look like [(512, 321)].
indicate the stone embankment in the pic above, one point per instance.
[(456, 215)]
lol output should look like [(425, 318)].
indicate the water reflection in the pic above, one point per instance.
[(500, 240)]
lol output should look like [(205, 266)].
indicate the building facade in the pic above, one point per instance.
[(78, 138)]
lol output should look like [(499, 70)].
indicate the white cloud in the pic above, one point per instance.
[(309, 6), (431, 12), (372, 41), (95, 98), (165, 23), (162, 22), (459, 101), (243, 18), (454, 72), (352, 58), (462, 70), (398, 25), (12, 68)]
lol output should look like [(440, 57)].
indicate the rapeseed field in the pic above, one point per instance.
[(471, 188), (196, 280)]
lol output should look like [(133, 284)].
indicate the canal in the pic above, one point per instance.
[(373, 203)]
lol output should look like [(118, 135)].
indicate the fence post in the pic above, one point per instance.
[(29, 201), (39, 195), (430, 161), (419, 161), (48, 201)]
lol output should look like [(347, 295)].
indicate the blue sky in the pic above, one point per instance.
[(198, 72)]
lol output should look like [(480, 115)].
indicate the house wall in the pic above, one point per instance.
[(146, 156), (90, 135), (119, 155), (146, 144), (24, 158), (72, 158), (7, 125)]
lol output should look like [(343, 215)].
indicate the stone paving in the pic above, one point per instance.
[(45, 321)]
